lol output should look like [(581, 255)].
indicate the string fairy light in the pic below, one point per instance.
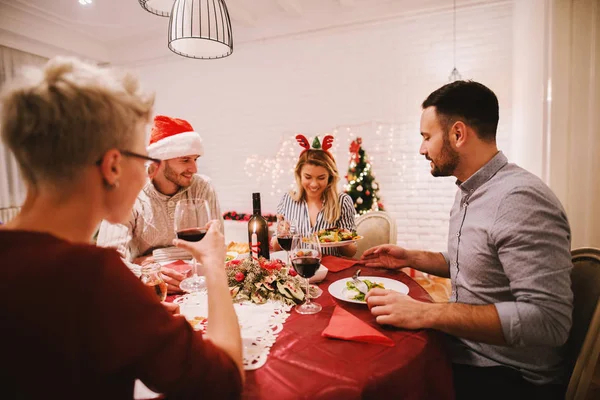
[(276, 173)]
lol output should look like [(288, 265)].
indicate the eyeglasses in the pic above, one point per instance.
[(136, 155)]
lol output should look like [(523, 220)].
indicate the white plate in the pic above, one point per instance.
[(327, 245), (338, 288), (232, 254)]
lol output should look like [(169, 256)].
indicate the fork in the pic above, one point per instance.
[(360, 285)]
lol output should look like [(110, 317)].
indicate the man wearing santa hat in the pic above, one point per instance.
[(151, 226)]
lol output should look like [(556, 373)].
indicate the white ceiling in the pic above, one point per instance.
[(100, 29)]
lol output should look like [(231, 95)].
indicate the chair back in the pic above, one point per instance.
[(376, 227), (583, 345)]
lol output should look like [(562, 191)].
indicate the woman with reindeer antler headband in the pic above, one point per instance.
[(316, 203)]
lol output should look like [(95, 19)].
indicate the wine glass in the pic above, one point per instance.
[(306, 259), (286, 229), (152, 278), (191, 220)]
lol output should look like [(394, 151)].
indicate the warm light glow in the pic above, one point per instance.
[(254, 229), (276, 173)]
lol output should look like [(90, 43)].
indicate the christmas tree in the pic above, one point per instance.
[(362, 186)]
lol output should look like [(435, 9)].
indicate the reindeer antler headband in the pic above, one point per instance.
[(316, 145)]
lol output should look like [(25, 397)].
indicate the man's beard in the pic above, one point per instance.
[(447, 161), (176, 178)]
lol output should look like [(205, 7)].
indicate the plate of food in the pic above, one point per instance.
[(345, 290), (337, 237), (231, 255)]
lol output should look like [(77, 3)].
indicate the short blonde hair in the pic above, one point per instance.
[(67, 114), (320, 158)]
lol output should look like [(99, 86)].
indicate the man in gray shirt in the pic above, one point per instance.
[(508, 258)]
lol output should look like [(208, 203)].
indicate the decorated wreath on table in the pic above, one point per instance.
[(235, 216), (261, 280)]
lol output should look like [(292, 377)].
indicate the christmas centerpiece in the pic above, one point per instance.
[(261, 280)]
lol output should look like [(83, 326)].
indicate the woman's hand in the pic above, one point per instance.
[(223, 330), (275, 244), (349, 250), (208, 251)]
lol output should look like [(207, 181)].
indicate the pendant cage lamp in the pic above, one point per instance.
[(454, 75), (200, 29), (161, 8)]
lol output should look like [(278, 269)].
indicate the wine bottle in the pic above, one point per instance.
[(258, 230)]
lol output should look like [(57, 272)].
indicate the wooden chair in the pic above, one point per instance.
[(583, 346), (376, 227)]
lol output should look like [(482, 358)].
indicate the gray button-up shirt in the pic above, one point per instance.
[(509, 245)]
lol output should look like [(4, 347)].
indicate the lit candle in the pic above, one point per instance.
[(254, 247)]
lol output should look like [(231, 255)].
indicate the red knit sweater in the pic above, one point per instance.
[(77, 324)]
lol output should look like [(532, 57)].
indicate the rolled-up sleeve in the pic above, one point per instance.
[(532, 237), (446, 257)]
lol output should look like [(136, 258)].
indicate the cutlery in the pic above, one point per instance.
[(360, 285)]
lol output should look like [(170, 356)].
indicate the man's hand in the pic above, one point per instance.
[(172, 308), (172, 278), (397, 309), (479, 323), (143, 259), (387, 256)]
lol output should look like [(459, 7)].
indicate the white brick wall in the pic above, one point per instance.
[(247, 103)]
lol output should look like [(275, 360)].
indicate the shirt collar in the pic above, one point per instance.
[(484, 173)]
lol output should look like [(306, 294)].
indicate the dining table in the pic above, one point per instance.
[(303, 364)]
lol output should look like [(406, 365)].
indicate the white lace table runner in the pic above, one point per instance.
[(260, 324)]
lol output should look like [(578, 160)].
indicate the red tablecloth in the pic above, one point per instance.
[(304, 365)]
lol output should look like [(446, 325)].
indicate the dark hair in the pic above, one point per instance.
[(471, 102)]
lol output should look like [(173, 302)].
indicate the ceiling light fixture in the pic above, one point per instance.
[(162, 8), (454, 75), (200, 29), (85, 2)]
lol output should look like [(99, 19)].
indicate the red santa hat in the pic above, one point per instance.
[(172, 138)]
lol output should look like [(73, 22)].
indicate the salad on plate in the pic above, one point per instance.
[(332, 235), (352, 293)]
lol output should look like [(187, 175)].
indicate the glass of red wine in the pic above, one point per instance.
[(191, 220), (306, 259), (286, 229)]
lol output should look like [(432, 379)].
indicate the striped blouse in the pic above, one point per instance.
[(298, 211)]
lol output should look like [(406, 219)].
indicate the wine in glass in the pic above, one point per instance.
[(306, 259), (286, 229), (191, 220)]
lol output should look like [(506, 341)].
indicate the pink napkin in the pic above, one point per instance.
[(179, 266), (346, 326), (336, 264)]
